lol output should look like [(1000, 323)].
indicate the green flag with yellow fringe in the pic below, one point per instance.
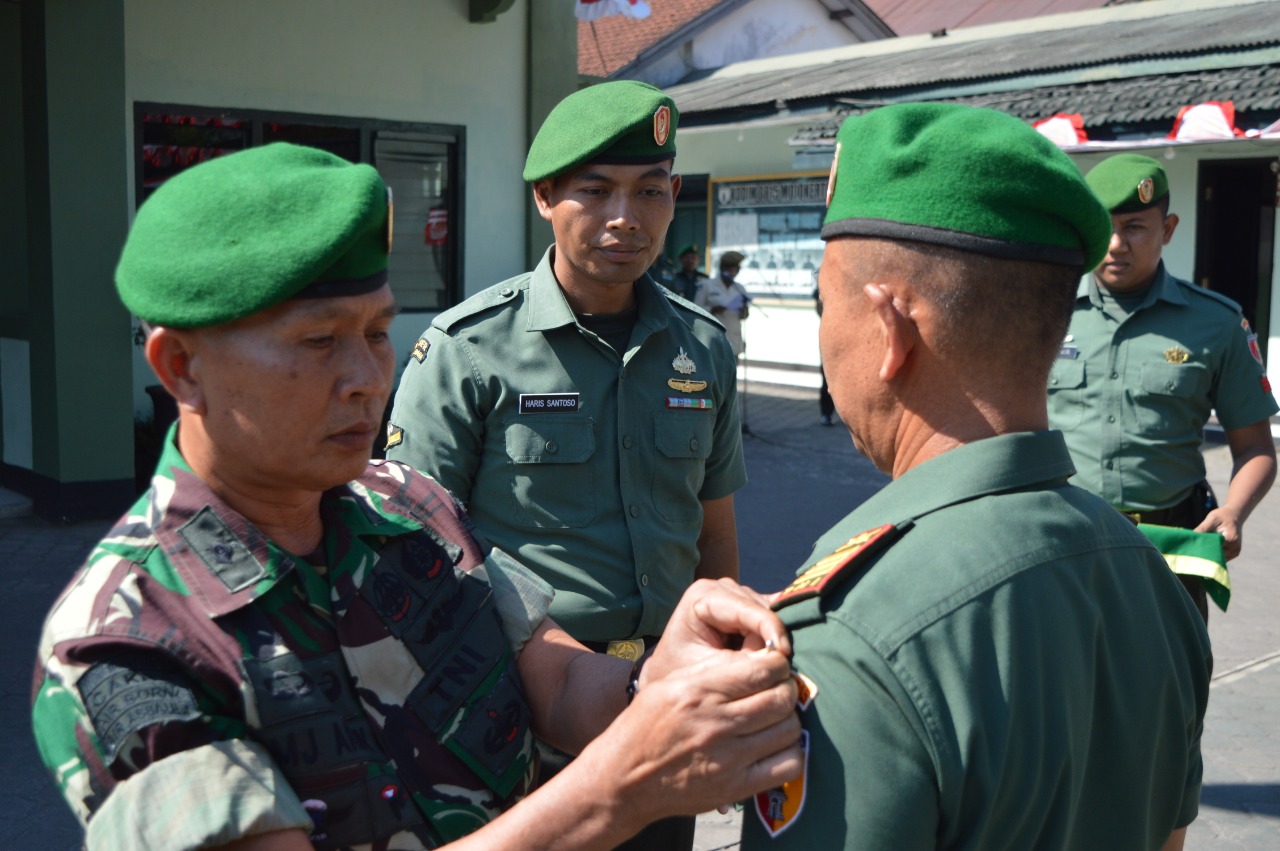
[(1192, 553)]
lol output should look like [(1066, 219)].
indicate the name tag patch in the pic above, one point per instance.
[(1068, 351), (690, 402), (544, 403)]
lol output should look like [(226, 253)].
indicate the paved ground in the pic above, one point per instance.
[(804, 477)]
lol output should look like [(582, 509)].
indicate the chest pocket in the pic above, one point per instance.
[(1066, 393), (552, 486), (1172, 400), (683, 440)]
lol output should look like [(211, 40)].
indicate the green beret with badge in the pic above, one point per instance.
[(621, 122), (240, 233), (972, 179), (689, 249), (1128, 183)]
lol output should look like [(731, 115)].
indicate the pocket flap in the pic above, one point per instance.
[(554, 440)]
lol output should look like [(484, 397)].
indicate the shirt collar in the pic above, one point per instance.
[(994, 465), (1164, 287), (549, 309)]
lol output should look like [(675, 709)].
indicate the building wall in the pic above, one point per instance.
[(68, 395), (766, 28), (401, 60)]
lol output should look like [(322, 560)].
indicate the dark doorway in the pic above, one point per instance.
[(1235, 234)]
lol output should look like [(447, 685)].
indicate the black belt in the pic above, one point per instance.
[(1185, 515)]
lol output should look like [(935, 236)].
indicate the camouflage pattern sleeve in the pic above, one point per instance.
[(135, 719)]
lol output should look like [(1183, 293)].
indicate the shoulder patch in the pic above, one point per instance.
[(823, 575), (131, 692), (778, 808), (485, 300)]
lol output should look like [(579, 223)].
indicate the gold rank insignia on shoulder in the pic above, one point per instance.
[(395, 435), (420, 349), (686, 385), (1176, 355), (683, 364), (1146, 190), (778, 808), (853, 552)]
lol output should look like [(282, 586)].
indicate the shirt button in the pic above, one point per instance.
[(693, 443), (1111, 419), (644, 579), (1053, 381), (1114, 376), (633, 511), (1169, 386), (507, 292), (552, 447), (1108, 464)]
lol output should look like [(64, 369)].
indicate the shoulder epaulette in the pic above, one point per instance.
[(827, 572), (681, 303), (1210, 294), (487, 299)]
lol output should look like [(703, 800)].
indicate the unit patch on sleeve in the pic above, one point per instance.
[(778, 808), (852, 553), (133, 692), (420, 349)]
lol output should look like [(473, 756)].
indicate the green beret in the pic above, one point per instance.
[(972, 179), (1128, 183), (240, 233), (622, 122), (689, 249)]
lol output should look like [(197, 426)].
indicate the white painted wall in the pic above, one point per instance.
[(397, 60)]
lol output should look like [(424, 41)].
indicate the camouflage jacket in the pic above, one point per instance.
[(196, 684)]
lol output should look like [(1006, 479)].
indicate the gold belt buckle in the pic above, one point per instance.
[(630, 649)]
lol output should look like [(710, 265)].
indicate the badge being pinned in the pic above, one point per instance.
[(683, 364), (779, 808), (806, 690), (662, 125), (1176, 355)]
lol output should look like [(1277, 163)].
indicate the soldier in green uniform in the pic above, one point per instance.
[(989, 656), (586, 417), (283, 645), (1147, 359), (688, 277)]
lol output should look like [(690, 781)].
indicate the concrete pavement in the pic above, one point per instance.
[(803, 477)]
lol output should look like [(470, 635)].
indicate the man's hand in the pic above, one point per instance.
[(715, 615), (716, 731), (1226, 523)]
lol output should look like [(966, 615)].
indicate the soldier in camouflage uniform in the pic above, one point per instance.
[(284, 645)]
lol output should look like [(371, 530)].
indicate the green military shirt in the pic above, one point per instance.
[(587, 465), (1008, 665), (1133, 396)]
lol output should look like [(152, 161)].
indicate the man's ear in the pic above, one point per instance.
[(897, 329), (1170, 225), (676, 183), (542, 197), (171, 352)]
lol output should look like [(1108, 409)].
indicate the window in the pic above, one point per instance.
[(420, 162)]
